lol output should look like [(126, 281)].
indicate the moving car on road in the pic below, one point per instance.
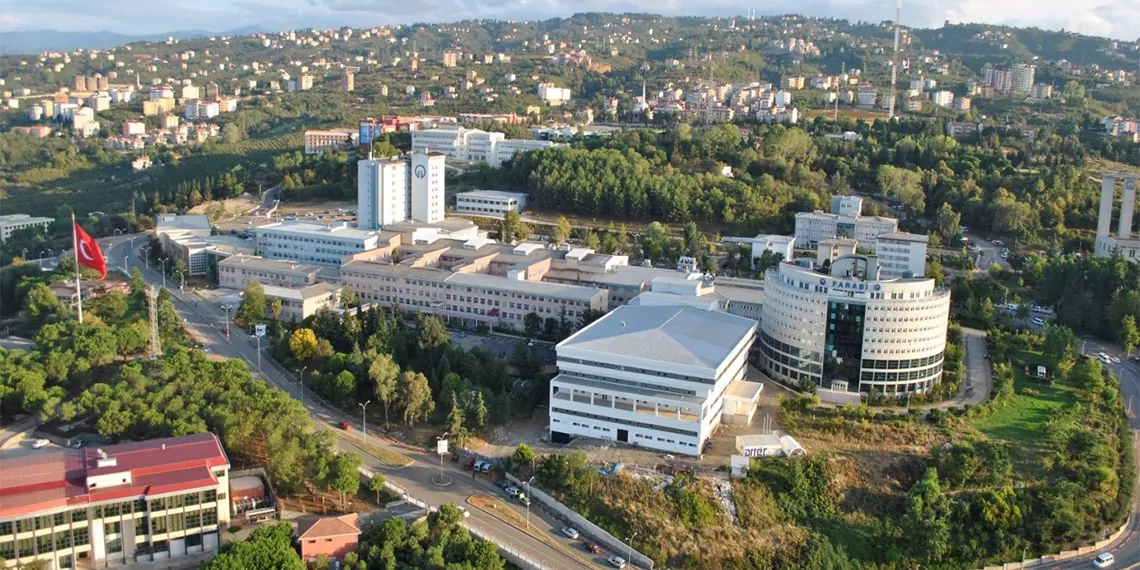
[(1104, 560), (591, 547), (40, 443), (569, 532), (616, 561)]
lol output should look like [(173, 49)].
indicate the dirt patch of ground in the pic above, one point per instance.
[(224, 209)]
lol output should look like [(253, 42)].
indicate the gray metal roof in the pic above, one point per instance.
[(683, 336)]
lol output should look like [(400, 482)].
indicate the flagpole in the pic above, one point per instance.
[(78, 289)]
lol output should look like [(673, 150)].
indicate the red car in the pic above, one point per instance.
[(591, 547), (345, 426)]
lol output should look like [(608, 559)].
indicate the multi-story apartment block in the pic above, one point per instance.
[(235, 272), (303, 302), (942, 98), (310, 243), (461, 143), (475, 282), (901, 254), (850, 330), (399, 189), (117, 505), (1022, 78), (657, 376), (813, 227), (450, 58), (489, 202), (13, 222), (317, 142)]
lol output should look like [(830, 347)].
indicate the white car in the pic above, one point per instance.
[(466, 513), (40, 443), (616, 561), (512, 491), (1104, 560), (569, 532), (1105, 358), (1038, 321)]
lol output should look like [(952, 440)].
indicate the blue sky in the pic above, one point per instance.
[(1114, 18)]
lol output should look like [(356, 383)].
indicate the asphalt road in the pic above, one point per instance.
[(1126, 549), (207, 322)]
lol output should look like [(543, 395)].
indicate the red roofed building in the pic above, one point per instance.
[(331, 536), (134, 502)]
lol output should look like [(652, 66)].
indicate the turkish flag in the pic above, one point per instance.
[(88, 253)]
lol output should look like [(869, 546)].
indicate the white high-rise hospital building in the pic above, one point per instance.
[(394, 190)]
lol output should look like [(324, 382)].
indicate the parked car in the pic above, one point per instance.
[(469, 464), (616, 561), (487, 467), (513, 491), (503, 483), (1104, 560), (591, 547), (478, 466), (569, 532), (1038, 321), (40, 443), (345, 426)]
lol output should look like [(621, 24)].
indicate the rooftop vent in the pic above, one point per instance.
[(107, 462)]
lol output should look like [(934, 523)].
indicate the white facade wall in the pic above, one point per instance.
[(814, 227), (476, 202), (604, 404), (427, 199), (305, 244), (869, 228), (899, 256), (904, 335), (382, 192), (13, 222)]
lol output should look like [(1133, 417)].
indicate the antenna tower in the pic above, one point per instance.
[(152, 310), (895, 66)]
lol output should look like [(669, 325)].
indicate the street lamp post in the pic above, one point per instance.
[(629, 558), (227, 308), (163, 262), (25, 254), (48, 252), (301, 372), (117, 232), (146, 256), (364, 419), (527, 483)]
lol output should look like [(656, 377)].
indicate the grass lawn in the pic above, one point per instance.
[(1023, 417)]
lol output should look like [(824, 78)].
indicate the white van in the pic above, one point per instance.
[(1104, 560)]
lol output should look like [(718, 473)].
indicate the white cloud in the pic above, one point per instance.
[(1115, 18)]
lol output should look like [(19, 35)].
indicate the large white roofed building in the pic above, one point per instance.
[(656, 376)]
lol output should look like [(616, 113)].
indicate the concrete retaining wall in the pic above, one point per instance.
[(586, 527), (1064, 555)]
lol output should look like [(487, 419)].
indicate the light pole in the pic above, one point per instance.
[(146, 256), (182, 286), (48, 252), (629, 558), (527, 483), (364, 419), (227, 308), (117, 232), (25, 254), (301, 371)]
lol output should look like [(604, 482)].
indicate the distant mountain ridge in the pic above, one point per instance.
[(37, 41)]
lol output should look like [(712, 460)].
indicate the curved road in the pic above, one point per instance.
[(207, 323)]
